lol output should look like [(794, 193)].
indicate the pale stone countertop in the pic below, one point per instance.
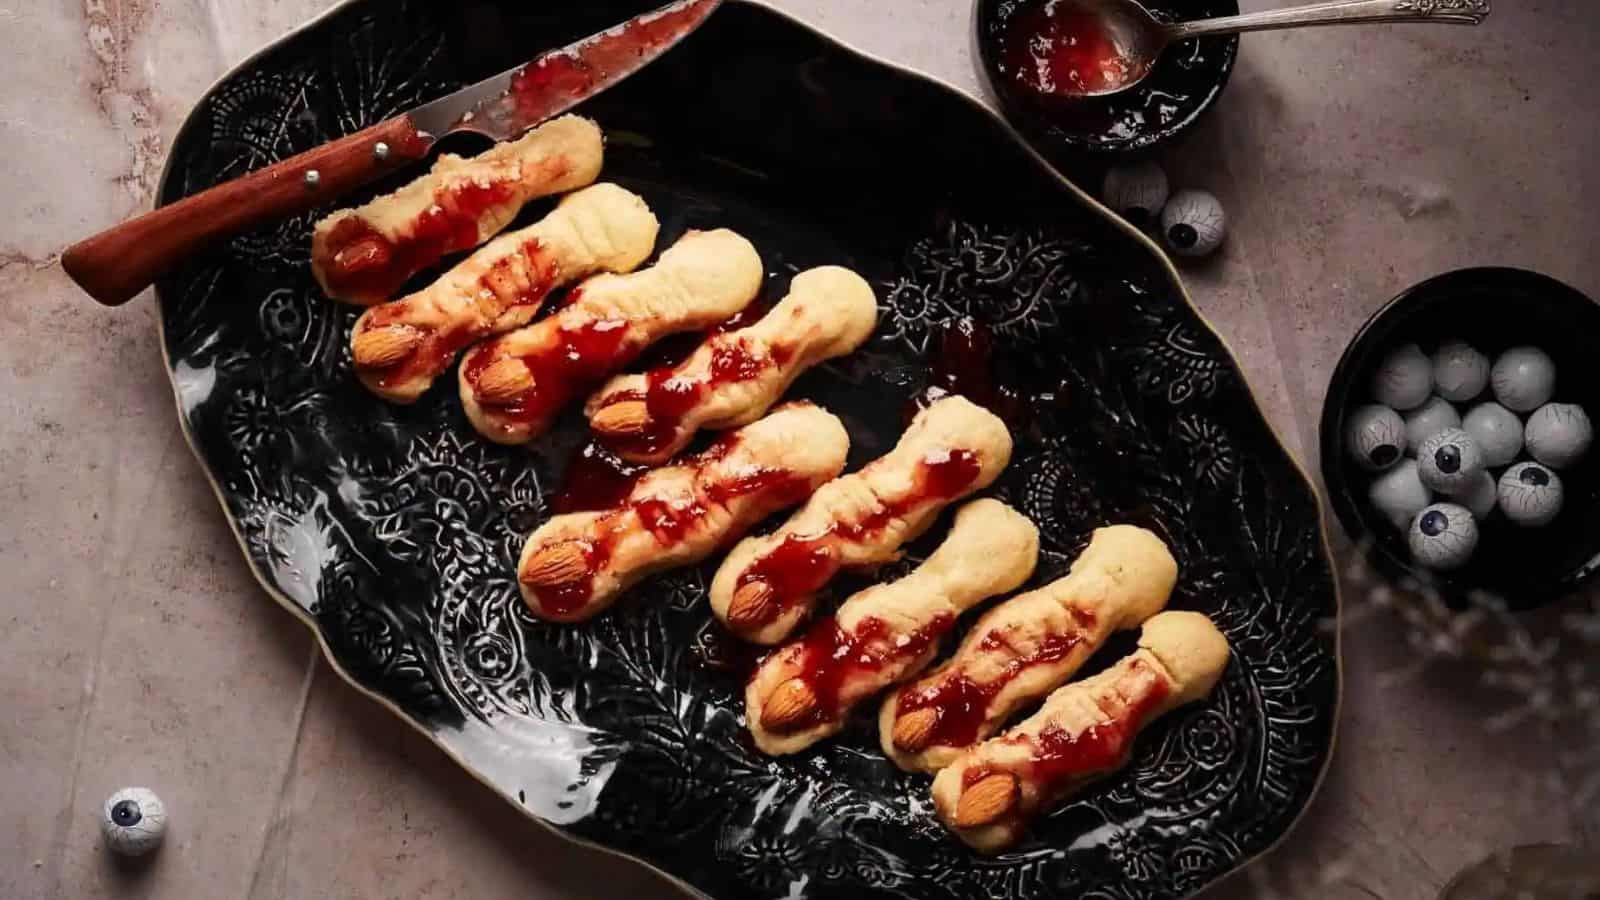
[(137, 649)]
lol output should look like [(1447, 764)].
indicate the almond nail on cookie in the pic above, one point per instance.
[(363, 255), (991, 792), (513, 386), (767, 585), (732, 378), (1026, 647), (577, 564), (803, 692), (400, 347)]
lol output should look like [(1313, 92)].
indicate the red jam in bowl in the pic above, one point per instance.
[(1045, 55)]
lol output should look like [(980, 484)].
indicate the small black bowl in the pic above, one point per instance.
[(1491, 309), (1185, 83)]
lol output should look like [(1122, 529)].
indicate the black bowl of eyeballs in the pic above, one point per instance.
[(1457, 434)]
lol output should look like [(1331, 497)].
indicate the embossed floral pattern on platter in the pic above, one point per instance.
[(395, 529)]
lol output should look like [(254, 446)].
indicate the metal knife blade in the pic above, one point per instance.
[(505, 105)]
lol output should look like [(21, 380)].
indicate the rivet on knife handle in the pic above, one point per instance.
[(116, 264)]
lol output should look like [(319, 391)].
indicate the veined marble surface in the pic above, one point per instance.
[(138, 650)]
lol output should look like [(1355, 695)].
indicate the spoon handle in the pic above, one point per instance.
[(1347, 12)]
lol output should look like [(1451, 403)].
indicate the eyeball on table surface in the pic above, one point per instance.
[(1481, 496), (1450, 461), (1399, 494), (1404, 379), (1497, 430), (1530, 494), (1375, 437), (1460, 372), (1194, 223), (1428, 420), (134, 821), (1558, 434), (1443, 536), (1524, 378), (1137, 192)]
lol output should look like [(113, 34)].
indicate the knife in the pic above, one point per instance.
[(115, 265)]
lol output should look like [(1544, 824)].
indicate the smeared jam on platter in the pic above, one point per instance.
[(595, 478), (965, 364)]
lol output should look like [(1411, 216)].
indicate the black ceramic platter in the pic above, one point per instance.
[(393, 531)]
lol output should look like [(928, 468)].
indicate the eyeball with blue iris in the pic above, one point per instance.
[(1481, 497), (1443, 536), (1193, 223), (1559, 434), (1399, 494), (1450, 462), (1497, 430), (1428, 420), (1375, 437), (1530, 494), (1137, 192), (1404, 379), (134, 821), (1524, 379), (1460, 372)]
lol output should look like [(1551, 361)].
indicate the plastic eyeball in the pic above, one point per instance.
[(1559, 434), (1443, 536), (1428, 420), (1404, 379), (1459, 372), (1194, 223), (1376, 437), (1480, 498), (1137, 192), (1524, 378), (134, 821), (1530, 494), (1399, 494), (1497, 430), (1450, 462)]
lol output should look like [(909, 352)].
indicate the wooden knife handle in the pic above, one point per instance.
[(116, 264)]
